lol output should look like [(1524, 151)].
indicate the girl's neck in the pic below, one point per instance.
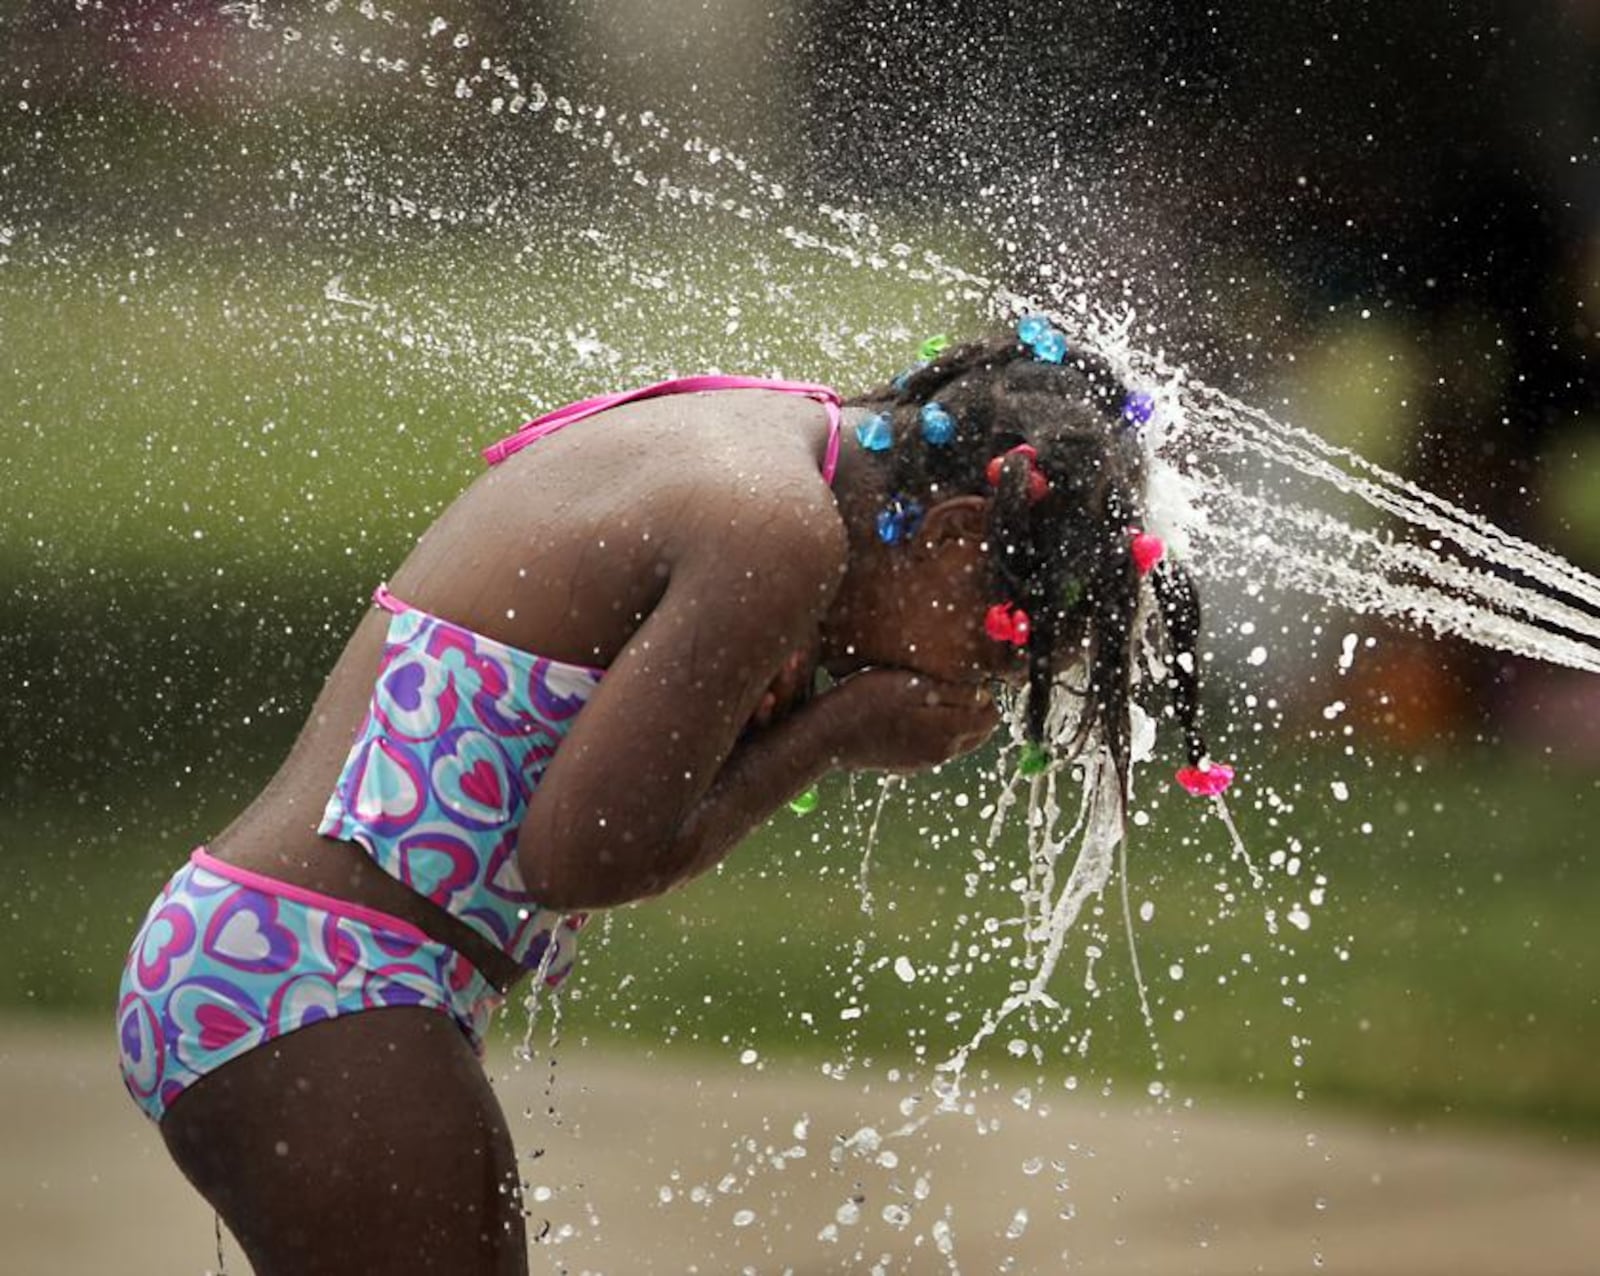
[(852, 621)]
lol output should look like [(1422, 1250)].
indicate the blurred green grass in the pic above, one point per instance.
[(1449, 973), (206, 465), (207, 460), (1449, 970)]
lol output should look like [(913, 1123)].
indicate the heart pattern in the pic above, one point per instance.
[(439, 864), (245, 934), (166, 941), (302, 1001), (142, 1046), (558, 691), (414, 698), (258, 965), (470, 780), (387, 787), (214, 1020), (456, 738)]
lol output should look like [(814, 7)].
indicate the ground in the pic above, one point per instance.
[(682, 1165)]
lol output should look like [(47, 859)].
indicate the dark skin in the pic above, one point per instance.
[(689, 547)]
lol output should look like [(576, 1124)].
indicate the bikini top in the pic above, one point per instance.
[(459, 731)]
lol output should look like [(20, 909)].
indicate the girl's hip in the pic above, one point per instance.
[(227, 960)]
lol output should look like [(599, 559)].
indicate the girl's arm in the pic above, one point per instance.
[(883, 719), (653, 784)]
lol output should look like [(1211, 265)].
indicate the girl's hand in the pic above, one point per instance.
[(895, 720), (789, 688)]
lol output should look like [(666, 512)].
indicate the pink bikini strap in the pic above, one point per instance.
[(389, 602), (548, 424)]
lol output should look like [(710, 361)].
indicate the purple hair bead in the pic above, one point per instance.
[(1139, 407)]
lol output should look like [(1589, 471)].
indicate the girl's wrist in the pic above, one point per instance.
[(832, 730)]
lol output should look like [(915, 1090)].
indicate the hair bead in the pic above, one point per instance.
[(874, 433), (898, 520), (1041, 336), (1147, 550), (1069, 559), (1138, 407), (938, 426), (1005, 622)]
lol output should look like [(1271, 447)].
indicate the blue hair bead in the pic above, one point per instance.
[(1031, 328), (938, 426), (1139, 407), (1041, 336), (898, 520), (902, 379), (874, 433), (1050, 348)]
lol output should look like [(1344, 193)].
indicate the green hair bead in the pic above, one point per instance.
[(1034, 759)]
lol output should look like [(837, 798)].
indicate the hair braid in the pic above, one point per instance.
[(1063, 556), (1180, 613)]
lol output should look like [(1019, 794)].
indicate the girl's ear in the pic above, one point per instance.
[(959, 518)]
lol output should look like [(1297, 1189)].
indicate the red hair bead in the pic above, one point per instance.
[(1206, 780), (1147, 550), (1038, 483), (1005, 623)]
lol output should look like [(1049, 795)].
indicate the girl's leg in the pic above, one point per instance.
[(367, 1143)]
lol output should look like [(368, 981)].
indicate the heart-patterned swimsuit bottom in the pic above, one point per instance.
[(228, 959)]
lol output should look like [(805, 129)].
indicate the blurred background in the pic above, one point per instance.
[(269, 275)]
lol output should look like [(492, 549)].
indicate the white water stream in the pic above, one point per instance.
[(1247, 496)]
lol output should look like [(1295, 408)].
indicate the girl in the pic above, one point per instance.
[(589, 680)]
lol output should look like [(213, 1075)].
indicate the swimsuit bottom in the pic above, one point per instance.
[(228, 959)]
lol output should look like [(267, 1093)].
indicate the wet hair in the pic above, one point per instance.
[(1065, 558)]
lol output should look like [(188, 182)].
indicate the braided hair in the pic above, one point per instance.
[(1062, 556)]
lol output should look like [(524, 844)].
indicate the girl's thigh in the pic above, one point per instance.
[(367, 1143)]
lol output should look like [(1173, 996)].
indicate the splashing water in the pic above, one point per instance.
[(1249, 498), (1234, 462)]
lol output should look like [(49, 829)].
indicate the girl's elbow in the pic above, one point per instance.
[(577, 878)]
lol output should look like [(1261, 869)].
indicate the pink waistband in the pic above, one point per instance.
[(344, 908), (541, 427)]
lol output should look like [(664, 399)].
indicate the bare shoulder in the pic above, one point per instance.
[(781, 546), (699, 502)]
